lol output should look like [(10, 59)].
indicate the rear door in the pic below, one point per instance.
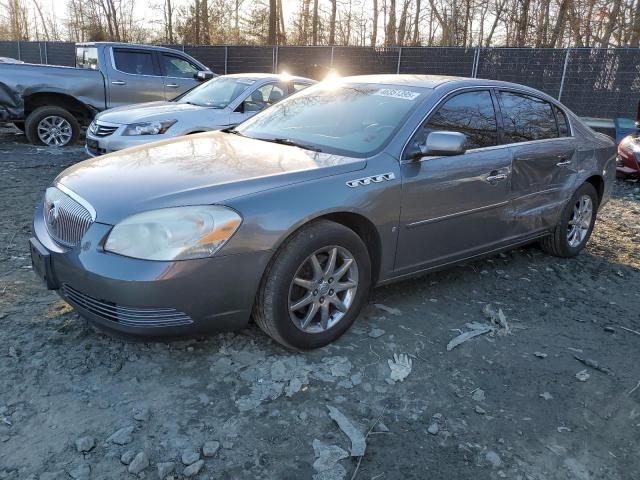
[(455, 206), (179, 74), (134, 77), (544, 159)]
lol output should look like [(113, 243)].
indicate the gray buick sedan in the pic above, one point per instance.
[(291, 217)]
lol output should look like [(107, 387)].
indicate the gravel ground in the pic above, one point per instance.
[(515, 403)]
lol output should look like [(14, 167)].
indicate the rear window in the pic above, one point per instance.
[(87, 57), (526, 118), (563, 123), (134, 61)]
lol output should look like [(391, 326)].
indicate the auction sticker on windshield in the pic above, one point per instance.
[(397, 93)]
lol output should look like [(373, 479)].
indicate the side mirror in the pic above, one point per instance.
[(203, 75), (443, 144)]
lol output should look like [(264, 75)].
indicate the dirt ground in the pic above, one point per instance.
[(76, 403)]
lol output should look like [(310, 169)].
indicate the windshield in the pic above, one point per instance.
[(348, 119), (217, 93)]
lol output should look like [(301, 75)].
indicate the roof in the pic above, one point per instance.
[(260, 76), (425, 81)]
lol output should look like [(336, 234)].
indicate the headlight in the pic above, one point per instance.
[(178, 233), (148, 128)]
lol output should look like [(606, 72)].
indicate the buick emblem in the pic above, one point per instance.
[(53, 213)]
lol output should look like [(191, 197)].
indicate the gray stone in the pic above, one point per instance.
[(58, 475), (165, 468), (376, 332), (193, 469), (478, 395), (139, 463), (335, 472), (540, 354), (209, 449), (493, 458), (85, 444), (80, 472), (479, 410), (190, 456), (546, 396), (122, 436), (433, 428), (358, 443), (227, 445), (142, 414), (127, 457)]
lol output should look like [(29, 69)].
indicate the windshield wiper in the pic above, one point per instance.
[(292, 143)]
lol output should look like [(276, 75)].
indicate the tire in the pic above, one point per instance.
[(19, 126), (68, 129), (278, 293), (558, 243)]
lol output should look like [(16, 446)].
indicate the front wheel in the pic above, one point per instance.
[(314, 287), (576, 224)]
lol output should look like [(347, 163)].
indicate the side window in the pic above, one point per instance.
[(526, 118), (563, 123), (178, 67), (298, 86), (134, 61), (264, 96), (471, 113)]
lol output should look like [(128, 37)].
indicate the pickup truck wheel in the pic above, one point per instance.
[(314, 287), (52, 126)]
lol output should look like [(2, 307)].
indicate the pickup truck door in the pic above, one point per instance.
[(179, 74), (133, 76)]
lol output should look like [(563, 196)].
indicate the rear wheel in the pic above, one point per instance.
[(576, 224), (314, 287), (52, 126)]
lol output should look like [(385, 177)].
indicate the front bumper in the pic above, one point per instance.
[(150, 297)]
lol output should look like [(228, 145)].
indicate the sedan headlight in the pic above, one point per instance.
[(148, 128), (179, 233)]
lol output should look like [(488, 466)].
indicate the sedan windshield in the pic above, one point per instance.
[(216, 93), (348, 119)]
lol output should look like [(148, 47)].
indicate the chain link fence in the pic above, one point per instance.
[(602, 83)]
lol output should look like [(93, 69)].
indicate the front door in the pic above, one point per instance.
[(544, 159), (134, 78), (179, 75), (455, 206)]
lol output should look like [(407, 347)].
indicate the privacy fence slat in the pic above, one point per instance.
[(593, 82)]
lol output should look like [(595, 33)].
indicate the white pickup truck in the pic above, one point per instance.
[(52, 103)]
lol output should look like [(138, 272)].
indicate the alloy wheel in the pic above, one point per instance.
[(54, 131), (580, 221), (323, 289)]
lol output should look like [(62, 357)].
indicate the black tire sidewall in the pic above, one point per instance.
[(289, 259), (568, 250), (31, 124)]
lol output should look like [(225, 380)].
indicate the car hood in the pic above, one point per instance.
[(205, 168), (147, 112)]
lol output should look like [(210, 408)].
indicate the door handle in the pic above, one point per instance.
[(118, 82), (563, 163), (172, 85), (495, 177)]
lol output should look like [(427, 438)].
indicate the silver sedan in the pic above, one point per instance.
[(222, 102)]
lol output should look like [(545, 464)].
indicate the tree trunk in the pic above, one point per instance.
[(332, 22), (611, 24), (314, 28), (416, 22), (374, 29), (273, 12), (390, 32)]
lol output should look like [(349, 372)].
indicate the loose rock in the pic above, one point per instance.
[(127, 457), (478, 395), (376, 332), (122, 436), (193, 469), (583, 375), (85, 444), (190, 456), (493, 458), (165, 468), (209, 449), (433, 428), (139, 463)]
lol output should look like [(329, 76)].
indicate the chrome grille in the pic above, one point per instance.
[(129, 316), (100, 130), (66, 219)]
